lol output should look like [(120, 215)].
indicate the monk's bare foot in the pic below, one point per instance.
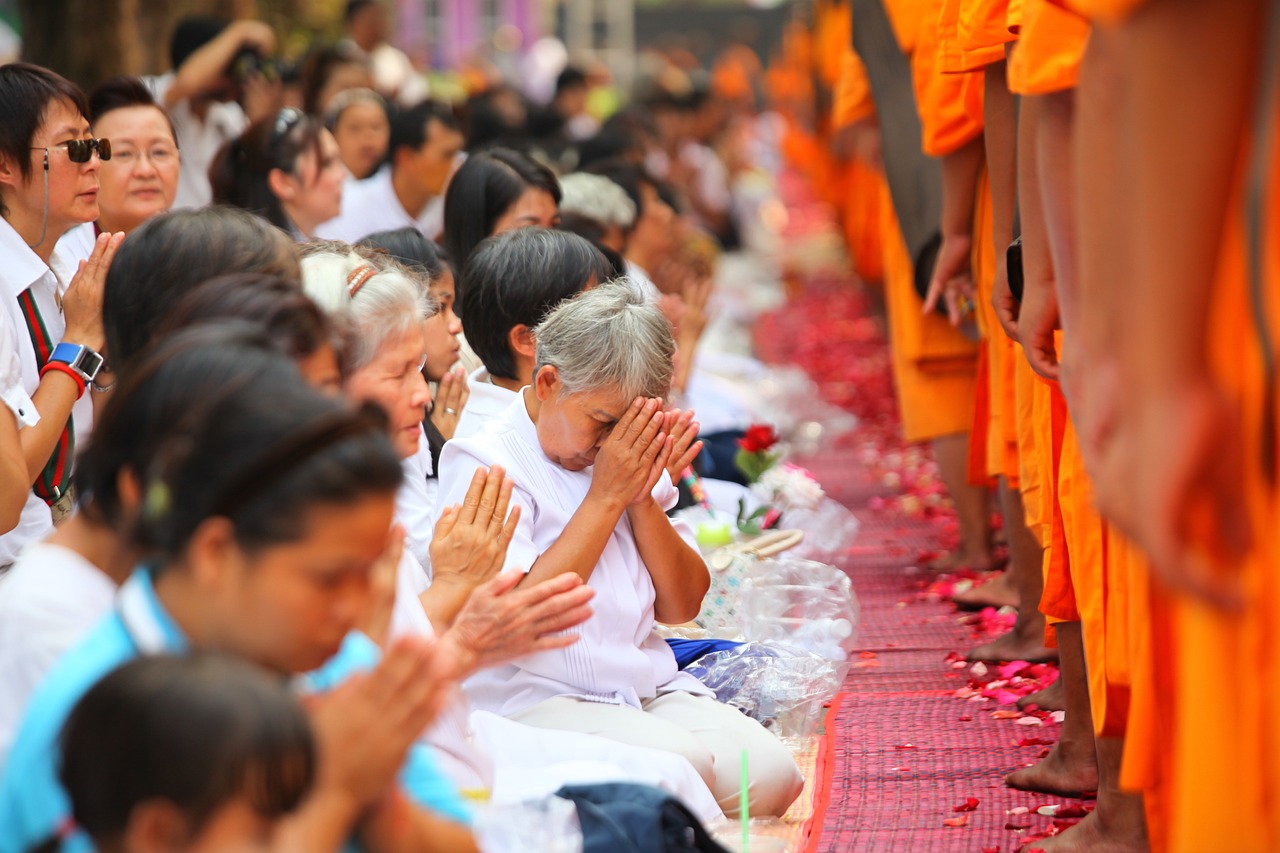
[(1014, 645), (958, 560), (1052, 698), (1095, 834), (997, 592), (1064, 772)]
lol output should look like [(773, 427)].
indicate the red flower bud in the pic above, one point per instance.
[(758, 438)]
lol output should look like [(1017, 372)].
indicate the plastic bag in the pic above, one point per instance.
[(802, 604), (782, 688), (829, 530), (549, 824)]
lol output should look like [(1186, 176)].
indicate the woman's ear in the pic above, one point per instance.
[(281, 184), (11, 177), (213, 551), (546, 382)]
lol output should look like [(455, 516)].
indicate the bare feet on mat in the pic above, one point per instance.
[(1051, 698), (996, 592), (1063, 773), (1095, 834), (1015, 645)]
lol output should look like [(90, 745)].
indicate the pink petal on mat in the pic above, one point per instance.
[(1028, 721), (962, 820), (1009, 670)]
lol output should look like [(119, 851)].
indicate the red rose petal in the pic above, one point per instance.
[(967, 806), (962, 820)]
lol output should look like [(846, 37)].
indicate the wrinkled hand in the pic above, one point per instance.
[(382, 587), (500, 623), (364, 727), (633, 456), (685, 446), (451, 397), (82, 302), (469, 543), (952, 280)]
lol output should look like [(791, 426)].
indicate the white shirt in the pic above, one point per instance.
[(12, 392), (485, 404), (618, 660), (371, 205), (416, 504), (49, 601), (198, 140), (23, 269)]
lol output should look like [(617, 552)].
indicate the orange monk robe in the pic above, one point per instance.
[(934, 365), (1046, 59), (860, 186), (983, 31)]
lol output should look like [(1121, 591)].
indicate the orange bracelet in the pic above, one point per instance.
[(63, 367)]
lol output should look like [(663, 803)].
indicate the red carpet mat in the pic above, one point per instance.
[(912, 767)]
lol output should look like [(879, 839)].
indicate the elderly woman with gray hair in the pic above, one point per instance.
[(587, 446)]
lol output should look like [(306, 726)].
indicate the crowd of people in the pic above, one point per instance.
[(341, 430)]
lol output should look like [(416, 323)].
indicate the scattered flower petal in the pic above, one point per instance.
[(967, 806), (962, 820)]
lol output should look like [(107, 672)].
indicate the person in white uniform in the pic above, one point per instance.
[(408, 190), (212, 93), (587, 447), (461, 599), (510, 284), (48, 195), (17, 412)]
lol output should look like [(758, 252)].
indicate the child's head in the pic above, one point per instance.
[(198, 753), (430, 268), (510, 284)]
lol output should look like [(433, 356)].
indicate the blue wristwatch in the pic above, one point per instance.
[(84, 361)]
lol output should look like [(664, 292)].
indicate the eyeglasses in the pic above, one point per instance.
[(80, 150), (287, 119)]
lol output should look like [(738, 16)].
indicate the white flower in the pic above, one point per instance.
[(788, 487)]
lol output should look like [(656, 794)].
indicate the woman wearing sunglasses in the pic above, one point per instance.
[(52, 298), (285, 169)]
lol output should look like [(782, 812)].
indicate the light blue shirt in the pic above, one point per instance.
[(33, 804)]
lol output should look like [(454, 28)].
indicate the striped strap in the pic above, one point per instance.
[(55, 479)]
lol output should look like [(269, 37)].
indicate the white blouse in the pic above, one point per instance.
[(619, 659)]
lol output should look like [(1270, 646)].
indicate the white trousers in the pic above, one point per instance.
[(710, 734)]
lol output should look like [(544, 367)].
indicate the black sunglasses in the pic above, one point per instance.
[(80, 150)]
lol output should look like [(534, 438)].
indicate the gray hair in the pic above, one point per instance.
[(598, 198), (387, 306), (611, 337)]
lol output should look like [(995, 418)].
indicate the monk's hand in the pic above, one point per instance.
[(1170, 479), (952, 280), (1003, 302), (500, 622), (1037, 321), (470, 541), (624, 465)]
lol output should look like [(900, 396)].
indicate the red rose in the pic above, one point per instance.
[(758, 438)]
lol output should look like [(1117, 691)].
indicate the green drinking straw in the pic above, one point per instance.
[(745, 808)]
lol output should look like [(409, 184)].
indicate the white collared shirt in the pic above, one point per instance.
[(485, 404), (619, 659), (23, 269), (416, 504), (198, 140), (371, 205), (49, 600), (12, 391)]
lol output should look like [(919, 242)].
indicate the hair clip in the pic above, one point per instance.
[(358, 277)]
